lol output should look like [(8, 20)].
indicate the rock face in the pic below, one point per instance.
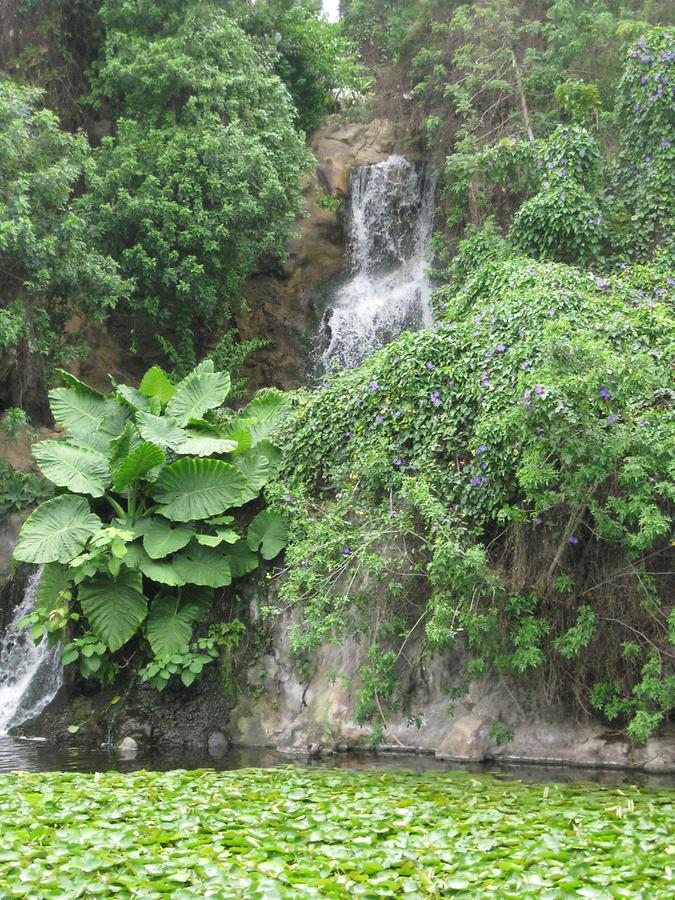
[(492, 721), (283, 296)]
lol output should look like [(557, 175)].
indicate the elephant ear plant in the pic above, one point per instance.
[(147, 524)]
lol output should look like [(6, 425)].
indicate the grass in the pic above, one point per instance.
[(287, 832)]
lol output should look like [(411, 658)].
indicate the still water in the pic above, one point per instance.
[(41, 756)]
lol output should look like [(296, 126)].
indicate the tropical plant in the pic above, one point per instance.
[(149, 521)]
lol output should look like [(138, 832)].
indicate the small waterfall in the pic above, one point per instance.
[(391, 221), (30, 674)]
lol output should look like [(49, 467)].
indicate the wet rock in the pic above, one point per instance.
[(127, 747), (217, 744), (469, 739)]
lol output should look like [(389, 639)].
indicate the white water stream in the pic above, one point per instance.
[(391, 213), (30, 674)]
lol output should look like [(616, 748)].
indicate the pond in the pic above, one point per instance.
[(291, 832), (33, 755)]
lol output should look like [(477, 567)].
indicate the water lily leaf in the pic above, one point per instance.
[(197, 488), (56, 531), (81, 471), (201, 390)]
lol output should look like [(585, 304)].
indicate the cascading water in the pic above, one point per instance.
[(30, 674), (391, 221)]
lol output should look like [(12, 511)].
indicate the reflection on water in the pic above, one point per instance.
[(41, 756)]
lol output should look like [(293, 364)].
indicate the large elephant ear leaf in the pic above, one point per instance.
[(203, 566), (56, 531), (78, 411), (161, 430), (155, 383), (146, 457), (201, 390), (169, 624), (137, 401), (268, 532), (201, 443), (80, 470), (160, 570), (162, 538), (197, 488), (255, 468), (74, 382), (114, 609), (54, 580), (241, 559), (90, 419), (266, 410)]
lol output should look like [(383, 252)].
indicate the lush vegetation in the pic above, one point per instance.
[(291, 833), (147, 523), (506, 477)]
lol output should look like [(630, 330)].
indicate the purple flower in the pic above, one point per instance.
[(378, 420), (641, 42), (287, 498), (602, 283), (659, 292), (572, 539), (483, 479), (501, 348), (531, 271), (345, 551), (537, 522), (604, 393), (670, 281), (665, 142), (481, 449), (645, 58), (644, 79), (551, 312), (647, 158), (611, 419), (539, 390), (348, 434), (429, 364), (475, 481), (399, 462), (397, 414), (374, 385), (526, 365), (485, 381), (526, 395), (436, 398), (303, 566)]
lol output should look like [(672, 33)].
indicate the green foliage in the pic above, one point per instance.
[(644, 176), (51, 270), (202, 174), (310, 55), (20, 490), (535, 419), (383, 832), (136, 545)]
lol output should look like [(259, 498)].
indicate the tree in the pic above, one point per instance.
[(202, 174), (50, 269)]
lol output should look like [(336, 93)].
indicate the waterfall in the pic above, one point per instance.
[(30, 674), (390, 224)]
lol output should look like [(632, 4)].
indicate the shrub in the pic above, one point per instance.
[(147, 524)]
